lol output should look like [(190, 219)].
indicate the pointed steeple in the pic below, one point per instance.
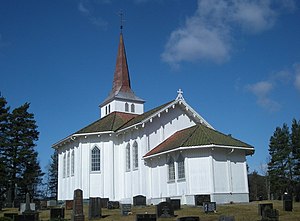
[(121, 88), (121, 81)]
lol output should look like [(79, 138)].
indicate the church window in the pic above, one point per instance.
[(109, 108), (105, 110), (135, 155), (64, 165), (128, 157), (171, 170), (95, 159), (68, 164), (126, 107), (72, 163), (132, 108), (180, 167)]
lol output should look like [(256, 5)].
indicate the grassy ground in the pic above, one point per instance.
[(241, 212)]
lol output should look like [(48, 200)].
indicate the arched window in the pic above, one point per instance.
[(64, 165), (128, 157), (109, 108), (126, 107), (171, 169), (72, 163), (180, 167), (135, 155), (68, 164), (132, 108), (106, 110), (95, 159)]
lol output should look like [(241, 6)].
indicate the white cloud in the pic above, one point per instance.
[(207, 35)]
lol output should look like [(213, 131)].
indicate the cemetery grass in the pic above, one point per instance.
[(241, 212)]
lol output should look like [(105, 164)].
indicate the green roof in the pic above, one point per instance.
[(110, 122), (198, 135)]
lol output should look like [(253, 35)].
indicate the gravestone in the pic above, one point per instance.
[(189, 218), (29, 213), (145, 217), (43, 205), (113, 205), (77, 213), (209, 207), (125, 209), (104, 202), (23, 207), (69, 204), (287, 202), (95, 208), (270, 215), (264, 206), (176, 204), (139, 200), (164, 210), (57, 213), (226, 218), (52, 203), (200, 199)]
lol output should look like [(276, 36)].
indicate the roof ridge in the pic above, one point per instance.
[(190, 135), (207, 135)]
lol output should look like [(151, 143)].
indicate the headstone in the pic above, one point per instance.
[(43, 204), (95, 208), (145, 217), (200, 199), (270, 215), (23, 207), (28, 205), (164, 210), (29, 213), (264, 206), (125, 209), (69, 204), (104, 202), (113, 205), (209, 207), (287, 202), (176, 204), (52, 203), (139, 200), (77, 213), (57, 213), (226, 218), (189, 218)]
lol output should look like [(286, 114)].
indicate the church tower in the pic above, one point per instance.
[(121, 97)]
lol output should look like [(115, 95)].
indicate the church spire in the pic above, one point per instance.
[(121, 82)]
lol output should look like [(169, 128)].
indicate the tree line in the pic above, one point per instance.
[(283, 171), (20, 172)]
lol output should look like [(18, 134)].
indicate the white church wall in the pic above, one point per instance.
[(220, 171), (239, 172)]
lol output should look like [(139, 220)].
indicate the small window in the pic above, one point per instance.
[(132, 108), (68, 165), (109, 108), (64, 165), (128, 157), (180, 167), (105, 110), (171, 170), (95, 159), (135, 155), (72, 163), (126, 107)]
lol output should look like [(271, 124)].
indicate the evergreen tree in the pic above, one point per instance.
[(4, 113), (53, 176), (24, 172), (257, 186), (295, 142), (280, 165)]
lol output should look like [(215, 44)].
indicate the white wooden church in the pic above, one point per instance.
[(168, 151)]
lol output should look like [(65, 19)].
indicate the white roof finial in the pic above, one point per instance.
[(179, 96)]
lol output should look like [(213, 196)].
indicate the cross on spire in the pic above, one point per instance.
[(121, 14)]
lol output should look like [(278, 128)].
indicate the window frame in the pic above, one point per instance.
[(135, 156), (95, 159), (127, 157)]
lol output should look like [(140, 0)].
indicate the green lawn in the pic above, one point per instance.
[(242, 212)]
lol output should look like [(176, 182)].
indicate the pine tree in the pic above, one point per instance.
[(53, 176), (24, 172), (4, 113), (280, 165), (295, 142)]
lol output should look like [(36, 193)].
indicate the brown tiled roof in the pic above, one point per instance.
[(198, 135), (110, 122)]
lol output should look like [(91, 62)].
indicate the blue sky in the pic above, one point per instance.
[(238, 62)]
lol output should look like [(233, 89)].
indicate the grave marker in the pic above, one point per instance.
[(176, 204), (113, 205), (139, 200), (57, 213), (69, 204), (209, 207), (264, 206), (200, 199), (287, 202), (164, 210), (77, 213), (95, 208), (125, 209), (104, 202)]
